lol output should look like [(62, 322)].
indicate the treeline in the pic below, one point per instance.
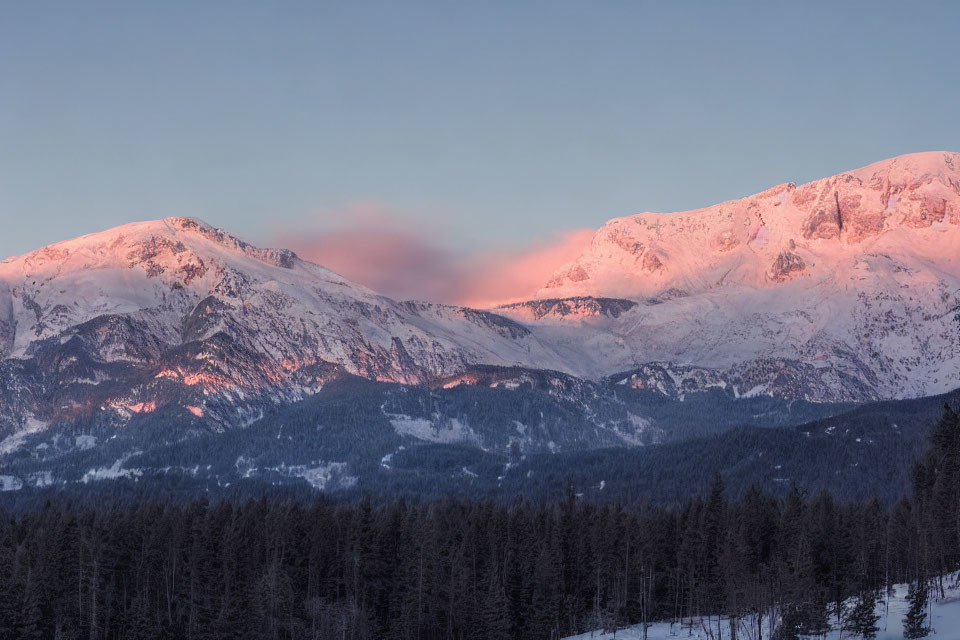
[(476, 570)]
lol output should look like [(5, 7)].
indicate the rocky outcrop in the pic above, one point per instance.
[(825, 222), (568, 308), (283, 258), (575, 273), (8, 326), (651, 262), (786, 266)]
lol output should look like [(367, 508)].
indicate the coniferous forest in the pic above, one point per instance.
[(460, 569)]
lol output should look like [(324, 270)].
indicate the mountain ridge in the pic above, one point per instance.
[(175, 311), (846, 289), (922, 188)]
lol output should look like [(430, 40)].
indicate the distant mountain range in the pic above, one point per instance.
[(783, 307)]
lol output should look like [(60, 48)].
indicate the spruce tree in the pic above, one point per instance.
[(31, 617), (863, 619), (496, 610), (914, 623), (543, 614), (816, 618), (791, 623)]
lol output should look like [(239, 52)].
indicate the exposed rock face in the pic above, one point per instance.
[(786, 266), (826, 220), (761, 377), (652, 262), (915, 191), (573, 309), (575, 273), (8, 327)]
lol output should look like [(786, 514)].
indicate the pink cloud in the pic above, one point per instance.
[(501, 276), (411, 264)]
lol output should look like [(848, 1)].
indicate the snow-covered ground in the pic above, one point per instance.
[(946, 623)]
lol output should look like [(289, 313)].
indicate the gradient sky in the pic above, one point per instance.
[(485, 128)]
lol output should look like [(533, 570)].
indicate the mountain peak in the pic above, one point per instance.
[(178, 301), (913, 166), (151, 237), (189, 224), (891, 204), (278, 257)]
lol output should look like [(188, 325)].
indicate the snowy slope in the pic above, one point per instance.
[(945, 623), (851, 281)]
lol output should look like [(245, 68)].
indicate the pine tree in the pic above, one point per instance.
[(712, 542), (791, 623), (936, 482), (139, 625), (496, 611), (914, 623), (11, 596), (543, 614), (31, 616), (816, 618), (863, 618)]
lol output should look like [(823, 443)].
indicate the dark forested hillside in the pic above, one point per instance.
[(357, 437), (469, 569), (351, 428)]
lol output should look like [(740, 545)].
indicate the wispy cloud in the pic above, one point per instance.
[(404, 262)]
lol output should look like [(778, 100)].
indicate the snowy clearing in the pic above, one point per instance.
[(946, 623)]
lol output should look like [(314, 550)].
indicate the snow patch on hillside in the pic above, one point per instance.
[(13, 442), (449, 432), (330, 475), (10, 483), (113, 472)]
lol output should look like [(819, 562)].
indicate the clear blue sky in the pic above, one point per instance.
[(500, 121)]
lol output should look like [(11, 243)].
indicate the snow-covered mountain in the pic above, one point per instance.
[(845, 288), (174, 311)]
